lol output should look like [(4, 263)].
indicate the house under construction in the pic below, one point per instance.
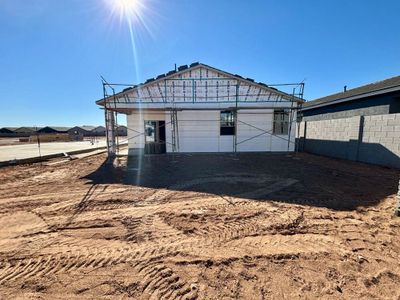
[(199, 108)]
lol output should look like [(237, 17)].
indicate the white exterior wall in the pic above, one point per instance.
[(135, 125), (199, 131), (247, 121)]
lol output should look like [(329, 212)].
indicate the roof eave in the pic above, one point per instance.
[(355, 97), (102, 101)]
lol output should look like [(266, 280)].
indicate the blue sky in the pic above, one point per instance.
[(52, 53)]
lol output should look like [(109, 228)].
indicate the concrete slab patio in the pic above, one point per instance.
[(11, 152)]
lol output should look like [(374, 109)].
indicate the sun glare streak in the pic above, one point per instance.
[(136, 62), (133, 12)]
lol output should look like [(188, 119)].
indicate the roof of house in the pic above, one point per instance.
[(84, 127), (10, 128), (185, 68), (55, 128), (7, 129), (26, 129), (383, 86)]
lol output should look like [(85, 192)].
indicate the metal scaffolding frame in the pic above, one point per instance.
[(112, 99)]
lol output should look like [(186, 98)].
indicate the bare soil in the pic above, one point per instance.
[(248, 226)]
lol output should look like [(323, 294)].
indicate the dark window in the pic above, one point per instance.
[(227, 122), (281, 122)]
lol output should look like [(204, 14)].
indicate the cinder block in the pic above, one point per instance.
[(376, 118), (374, 140), (390, 117), (380, 134), (394, 134), (375, 128), (381, 122), (387, 128), (386, 140), (393, 122)]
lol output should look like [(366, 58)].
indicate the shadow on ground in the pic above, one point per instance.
[(291, 178)]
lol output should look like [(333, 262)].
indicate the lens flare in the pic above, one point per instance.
[(136, 15), (127, 8)]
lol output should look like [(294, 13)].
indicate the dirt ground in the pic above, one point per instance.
[(248, 226)]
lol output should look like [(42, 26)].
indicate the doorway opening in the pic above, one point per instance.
[(154, 137)]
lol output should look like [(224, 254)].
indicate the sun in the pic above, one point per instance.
[(126, 8)]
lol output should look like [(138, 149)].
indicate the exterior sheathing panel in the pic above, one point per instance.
[(199, 131), (135, 125), (202, 93)]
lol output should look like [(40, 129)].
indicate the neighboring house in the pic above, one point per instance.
[(25, 131), (122, 130), (199, 108), (81, 130), (382, 97), (7, 132), (361, 124), (99, 131), (53, 129), (17, 131)]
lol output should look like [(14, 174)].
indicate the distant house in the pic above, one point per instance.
[(99, 131), (81, 130), (17, 131), (25, 131), (7, 131), (122, 130), (54, 129)]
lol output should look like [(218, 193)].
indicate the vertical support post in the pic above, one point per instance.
[(236, 119), (303, 146), (116, 133), (360, 136), (176, 131), (300, 142), (290, 121), (110, 132), (194, 91), (165, 88)]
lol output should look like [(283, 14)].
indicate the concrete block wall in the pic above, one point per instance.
[(372, 139), (381, 140), (334, 130)]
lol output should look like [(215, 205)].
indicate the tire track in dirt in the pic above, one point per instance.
[(161, 282), (77, 258), (285, 244)]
